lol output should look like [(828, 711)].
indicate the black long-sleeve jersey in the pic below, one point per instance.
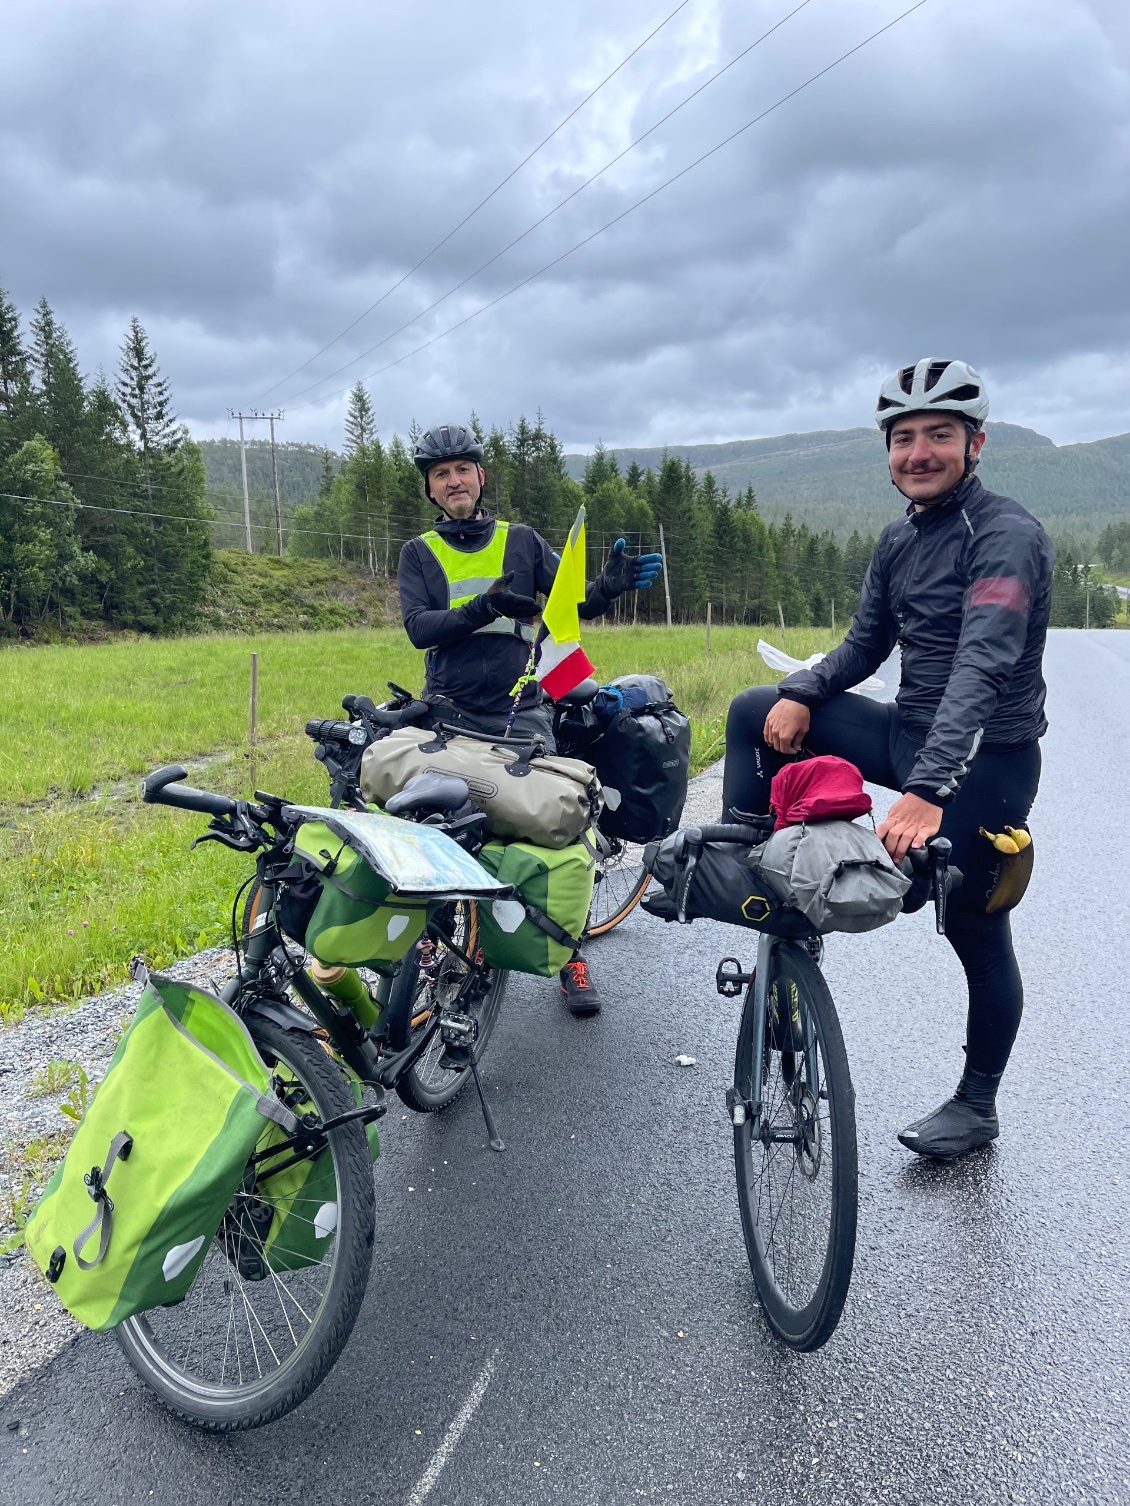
[(965, 590)]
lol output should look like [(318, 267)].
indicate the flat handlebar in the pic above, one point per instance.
[(162, 788)]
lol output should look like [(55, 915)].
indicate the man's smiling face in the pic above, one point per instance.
[(456, 486), (927, 454)]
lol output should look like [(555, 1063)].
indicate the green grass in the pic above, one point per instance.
[(91, 876)]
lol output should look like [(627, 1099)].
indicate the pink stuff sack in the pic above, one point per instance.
[(818, 789)]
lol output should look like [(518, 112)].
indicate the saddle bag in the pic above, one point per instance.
[(539, 929), (127, 1220), (526, 793), (643, 761)]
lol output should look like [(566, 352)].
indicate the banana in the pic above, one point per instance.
[(1002, 842), (1022, 838)]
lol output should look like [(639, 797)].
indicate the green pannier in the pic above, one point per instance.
[(540, 929), (358, 920), (303, 1200), (127, 1220)]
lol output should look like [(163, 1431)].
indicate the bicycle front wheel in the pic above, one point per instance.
[(429, 979), (796, 1162), (274, 1302)]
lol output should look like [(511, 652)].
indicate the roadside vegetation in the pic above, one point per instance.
[(92, 876)]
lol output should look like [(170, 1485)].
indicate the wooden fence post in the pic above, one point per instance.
[(253, 718), (708, 630), (666, 573)]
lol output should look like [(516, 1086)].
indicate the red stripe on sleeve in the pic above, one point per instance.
[(1001, 591)]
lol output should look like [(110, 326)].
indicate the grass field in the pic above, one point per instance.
[(91, 876)]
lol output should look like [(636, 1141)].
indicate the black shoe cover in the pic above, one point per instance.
[(951, 1131)]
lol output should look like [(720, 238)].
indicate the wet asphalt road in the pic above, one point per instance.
[(590, 1284)]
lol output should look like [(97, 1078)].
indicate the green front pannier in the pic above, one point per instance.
[(358, 920), (127, 1220), (303, 1197), (539, 930)]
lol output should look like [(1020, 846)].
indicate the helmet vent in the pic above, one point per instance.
[(965, 394), (934, 374), (906, 379)]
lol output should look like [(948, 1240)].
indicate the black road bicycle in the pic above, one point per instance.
[(792, 1108), (258, 1331)]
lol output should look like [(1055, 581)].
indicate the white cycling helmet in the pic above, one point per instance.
[(950, 386)]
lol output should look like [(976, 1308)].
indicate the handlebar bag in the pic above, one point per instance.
[(719, 881), (541, 927), (128, 1219), (836, 873), (534, 797), (357, 919), (643, 762)]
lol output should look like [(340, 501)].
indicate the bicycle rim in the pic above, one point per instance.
[(428, 982), (797, 1170), (620, 884), (266, 1318)]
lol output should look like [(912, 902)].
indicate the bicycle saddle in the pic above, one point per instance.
[(430, 791), (580, 695)]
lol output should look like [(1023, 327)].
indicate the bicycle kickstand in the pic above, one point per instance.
[(496, 1141)]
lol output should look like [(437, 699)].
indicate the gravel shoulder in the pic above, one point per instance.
[(33, 1131), (33, 1324)]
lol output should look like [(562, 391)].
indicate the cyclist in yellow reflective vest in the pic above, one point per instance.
[(469, 591)]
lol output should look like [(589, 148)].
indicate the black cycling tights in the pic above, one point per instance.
[(998, 791)]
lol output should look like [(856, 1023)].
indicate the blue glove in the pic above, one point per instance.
[(625, 572)]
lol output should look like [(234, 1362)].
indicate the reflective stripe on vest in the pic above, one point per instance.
[(469, 573)]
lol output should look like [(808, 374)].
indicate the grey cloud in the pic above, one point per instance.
[(248, 180)]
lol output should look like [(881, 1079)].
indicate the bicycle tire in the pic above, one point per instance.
[(621, 883), (802, 1311), (426, 1088), (305, 1070)]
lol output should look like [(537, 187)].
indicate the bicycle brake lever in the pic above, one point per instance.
[(940, 849)]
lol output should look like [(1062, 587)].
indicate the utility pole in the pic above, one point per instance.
[(253, 417), (275, 478), (666, 573)]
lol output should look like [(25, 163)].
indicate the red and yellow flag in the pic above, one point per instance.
[(561, 661)]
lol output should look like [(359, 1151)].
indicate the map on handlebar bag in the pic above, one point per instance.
[(412, 859)]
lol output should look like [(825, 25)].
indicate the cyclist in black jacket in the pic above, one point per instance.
[(469, 592), (962, 583)]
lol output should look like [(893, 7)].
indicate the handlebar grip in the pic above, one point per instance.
[(161, 788), (357, 703), (727, 831)]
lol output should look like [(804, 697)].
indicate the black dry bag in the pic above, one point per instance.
[(643, 761)]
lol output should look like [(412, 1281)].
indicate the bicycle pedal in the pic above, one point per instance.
[(729, 979)]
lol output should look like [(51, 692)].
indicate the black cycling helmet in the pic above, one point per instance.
[(446, 442)]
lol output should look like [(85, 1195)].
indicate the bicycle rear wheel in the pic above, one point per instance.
[(620, 883), (430, 977), (264, 1321), (797, 1168)]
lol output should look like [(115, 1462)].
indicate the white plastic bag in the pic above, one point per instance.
[(777, 659)]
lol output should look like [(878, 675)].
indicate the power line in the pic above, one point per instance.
[(529, 230), (518, 286), (496, 189)]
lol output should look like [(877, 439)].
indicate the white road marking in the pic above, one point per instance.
[(427, 1481)]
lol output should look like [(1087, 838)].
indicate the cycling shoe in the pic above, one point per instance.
[(952, 1130)]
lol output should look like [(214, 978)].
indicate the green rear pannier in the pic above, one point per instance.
[(126, 1221), (538, 931), (358, 920)]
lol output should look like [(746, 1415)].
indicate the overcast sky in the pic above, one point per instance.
[(249, 179)]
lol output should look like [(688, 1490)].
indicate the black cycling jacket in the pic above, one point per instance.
[(965, 590), (476, 671)]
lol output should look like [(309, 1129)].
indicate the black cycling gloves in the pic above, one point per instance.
[(506, 603), (625, 572)]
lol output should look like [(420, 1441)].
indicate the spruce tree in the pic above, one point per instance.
[(146, 402), (59, 397), (360, 424), (15, 367)]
